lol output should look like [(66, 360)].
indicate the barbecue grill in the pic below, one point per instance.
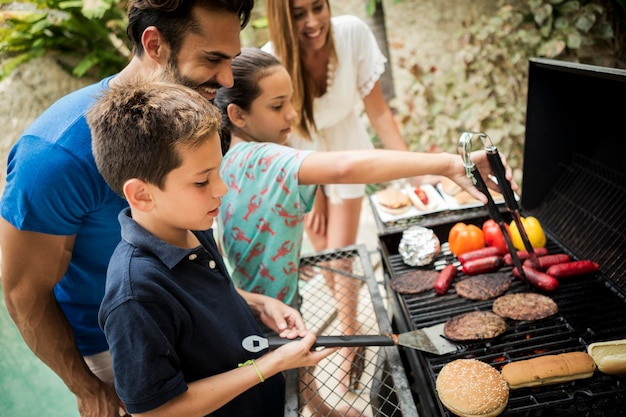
[(575, 183)]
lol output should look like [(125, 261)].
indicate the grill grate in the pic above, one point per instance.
[(585, 209), (384, 390), (589, 311)]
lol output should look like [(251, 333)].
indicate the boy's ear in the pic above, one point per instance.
[(138, 195), (154, 45), (236, 115)]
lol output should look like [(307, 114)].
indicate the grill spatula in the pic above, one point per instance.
[(427, 339)]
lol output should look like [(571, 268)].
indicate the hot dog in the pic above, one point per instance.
[(445, 278), (523, 255), (539, 279), (478, 253), (547, 261), (573, 268), (482, 265)]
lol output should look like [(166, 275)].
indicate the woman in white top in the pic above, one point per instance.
[(335, 64)]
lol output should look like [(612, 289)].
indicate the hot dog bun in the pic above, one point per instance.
[(548, 369), (610, 356), (471, 388)]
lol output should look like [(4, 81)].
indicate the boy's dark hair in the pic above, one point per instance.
[(175, 18), (249, 68), (138, 129)]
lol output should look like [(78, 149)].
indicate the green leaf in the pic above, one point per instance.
[(569, 7), (543, 14), (9, 65), (552, 48), (561, 23), (574, 40), (260, 23), (370, 7), (72, 4), (546, 28), (85, 65), (95, 9), (585, 22)]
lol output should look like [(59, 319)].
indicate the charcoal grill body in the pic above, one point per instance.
[(575, 184)]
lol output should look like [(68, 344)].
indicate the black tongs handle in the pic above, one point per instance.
[(477, 179), (496, 216), (492, 208), (493, 156), (509, 199)]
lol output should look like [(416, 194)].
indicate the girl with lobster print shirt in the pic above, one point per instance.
[(272, 186)]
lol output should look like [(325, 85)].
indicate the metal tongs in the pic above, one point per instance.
[(465, 149)]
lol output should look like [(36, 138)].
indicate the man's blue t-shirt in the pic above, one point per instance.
[(54, 187)]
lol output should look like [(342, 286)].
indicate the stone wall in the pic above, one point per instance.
[(25, 94)]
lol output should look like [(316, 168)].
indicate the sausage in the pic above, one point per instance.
[(539, 279), (573, 268), (479, 253), (547, 261), (445, 278), (523, 255), (482, 265)]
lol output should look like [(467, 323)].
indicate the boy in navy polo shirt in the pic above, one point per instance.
[(171, 315)]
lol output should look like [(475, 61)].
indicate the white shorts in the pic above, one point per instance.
[(101, 365), (338, 192)]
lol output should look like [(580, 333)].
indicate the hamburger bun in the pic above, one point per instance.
[(471, 388), (450, 187), (609, 356), (548, 369), (393, 201)]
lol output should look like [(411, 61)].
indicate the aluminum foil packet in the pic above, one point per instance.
[(419, 246)]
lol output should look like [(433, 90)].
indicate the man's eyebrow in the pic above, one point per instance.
[(221, 55)]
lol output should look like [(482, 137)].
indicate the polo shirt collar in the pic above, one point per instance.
[(136, 235)]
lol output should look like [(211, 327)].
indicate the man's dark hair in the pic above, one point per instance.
[(174, 18)]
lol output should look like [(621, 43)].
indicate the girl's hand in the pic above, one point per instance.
[(283, 319), (286, 321), (315, 220), (479, 158)]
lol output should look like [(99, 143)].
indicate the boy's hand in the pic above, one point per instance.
[(300, 353)]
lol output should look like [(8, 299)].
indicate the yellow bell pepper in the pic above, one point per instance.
[(533, 230)]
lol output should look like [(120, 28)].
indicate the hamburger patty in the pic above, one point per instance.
[(414, 282), (525, 306), (475, 325), (484, 286)]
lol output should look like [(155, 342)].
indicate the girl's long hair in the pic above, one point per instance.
[(249, 68)]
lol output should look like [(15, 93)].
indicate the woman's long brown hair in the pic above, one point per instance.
[(282, 33)]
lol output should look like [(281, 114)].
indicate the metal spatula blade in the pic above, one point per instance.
[(427, 339)]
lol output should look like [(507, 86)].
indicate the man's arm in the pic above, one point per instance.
[(32, 263)]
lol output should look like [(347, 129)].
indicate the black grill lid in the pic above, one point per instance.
[(575, 160)]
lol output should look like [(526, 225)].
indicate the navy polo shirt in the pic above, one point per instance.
[(172, 316)]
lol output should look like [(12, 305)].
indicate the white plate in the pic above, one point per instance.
[(435, 203), (438, 201)]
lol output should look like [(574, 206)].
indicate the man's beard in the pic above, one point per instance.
[(171, 71)]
